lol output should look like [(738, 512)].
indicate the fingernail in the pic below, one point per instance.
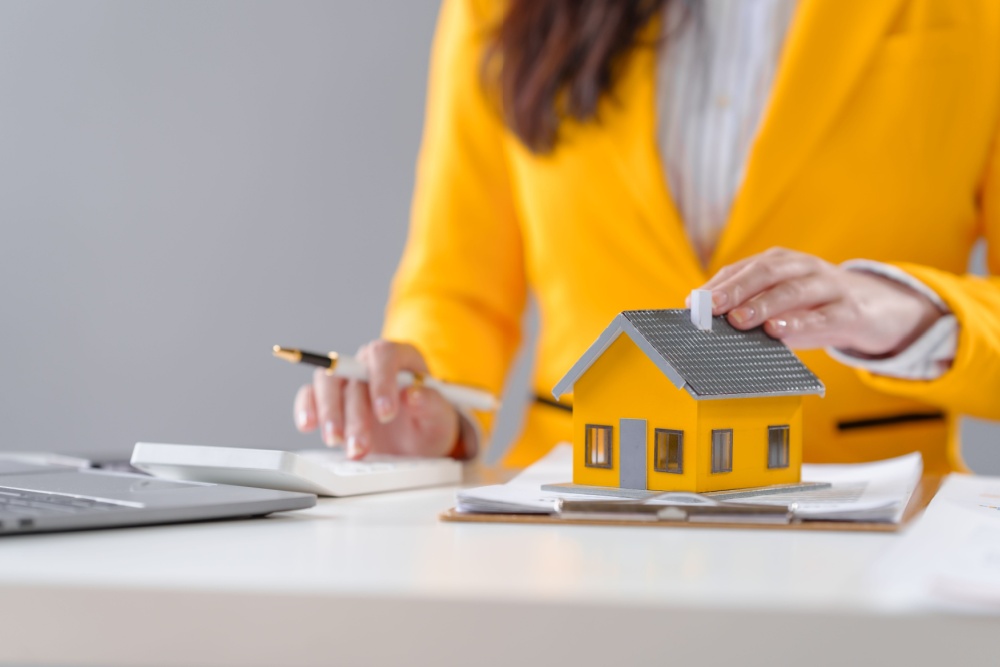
[(384, 409), (302, 418), (329, 439), (719, 299), (779, 326), (742, 315), (355, 447)]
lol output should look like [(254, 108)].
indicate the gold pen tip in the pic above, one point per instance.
[(290, 355)]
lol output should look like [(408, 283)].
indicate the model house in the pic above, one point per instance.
[(660, 403)]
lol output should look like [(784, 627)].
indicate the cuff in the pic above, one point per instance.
[(929, 356)]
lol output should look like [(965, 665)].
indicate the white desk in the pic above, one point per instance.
[(379, 580)]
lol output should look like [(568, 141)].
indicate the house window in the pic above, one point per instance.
[(668, 455), (722, 450), (777, 446), (598, 449)]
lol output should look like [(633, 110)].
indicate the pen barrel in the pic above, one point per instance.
[(314, 359), (467, 397), (349, 368), (459, 395)]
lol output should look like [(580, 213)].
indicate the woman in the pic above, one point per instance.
[(615, 154)]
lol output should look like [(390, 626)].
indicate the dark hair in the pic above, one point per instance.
[(556, 58)]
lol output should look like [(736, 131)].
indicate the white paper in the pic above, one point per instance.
[(876, 491), (860, 492), (950, 558)]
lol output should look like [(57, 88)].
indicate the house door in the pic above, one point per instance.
[(632, 473)]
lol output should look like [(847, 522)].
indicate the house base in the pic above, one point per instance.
[(642, 494)]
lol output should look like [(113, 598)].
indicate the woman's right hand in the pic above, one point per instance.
[(378, 416)]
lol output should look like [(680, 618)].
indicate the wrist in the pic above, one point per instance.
[(899, 317), (926, 315), (927, 358)]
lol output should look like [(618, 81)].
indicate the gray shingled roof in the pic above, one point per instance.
[(722, 363)]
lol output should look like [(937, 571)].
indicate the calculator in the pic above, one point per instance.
[(325, 472)]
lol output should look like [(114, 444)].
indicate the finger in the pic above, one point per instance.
[(305, 409), (329, 406), (727, 272), (827, 326), (771, 254), (764, 272), (358, 415), (796, 294), (384, 360)]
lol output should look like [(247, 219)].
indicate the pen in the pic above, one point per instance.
[(349, 368)]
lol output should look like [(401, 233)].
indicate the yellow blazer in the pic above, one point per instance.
[(879, 142)]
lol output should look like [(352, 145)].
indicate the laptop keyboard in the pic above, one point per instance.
[(21, 503)]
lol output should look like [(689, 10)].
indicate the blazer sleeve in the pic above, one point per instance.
[(972, 384), (460, 289)]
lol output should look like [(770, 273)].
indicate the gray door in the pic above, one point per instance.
[(632, 473)]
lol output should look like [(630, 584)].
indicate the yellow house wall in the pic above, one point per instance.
[(624, 383), (749, 419)]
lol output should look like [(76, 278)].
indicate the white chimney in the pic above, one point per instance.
[(701, 309)]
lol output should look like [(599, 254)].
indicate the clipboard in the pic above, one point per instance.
[(922, 495)]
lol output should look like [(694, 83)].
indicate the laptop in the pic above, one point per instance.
[(39, 497)]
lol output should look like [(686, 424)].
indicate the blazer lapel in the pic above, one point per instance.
[(828, 46)]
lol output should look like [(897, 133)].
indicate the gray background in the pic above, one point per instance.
[(184, 184)]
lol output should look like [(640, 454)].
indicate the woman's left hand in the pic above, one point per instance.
[(808, 302)]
